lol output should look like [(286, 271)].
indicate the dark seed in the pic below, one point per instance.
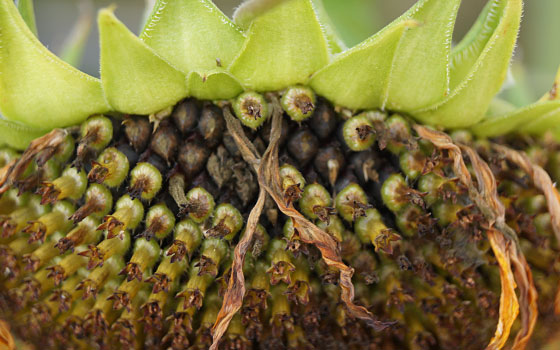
[(165, 141), (185, 115), (138, 131), (192, 158), (303, 146), (329, 161), (211, 125), (323, 120)]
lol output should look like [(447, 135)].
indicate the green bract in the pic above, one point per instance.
[(18, 135), (190, 48), (285, 45), (536, 118), (392, 68), (486, 59), (135, 79), (204, 41), (25, 8), (36, 88), (192, 35)]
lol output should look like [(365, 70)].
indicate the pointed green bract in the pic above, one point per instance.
[(420, 73), (546, 122), (214, 85), (537, 118), (285, 45), (135, 79), (467, 51), (147, 13), (357, 78), (17, 135), (36, 87), (26, 9), (251, 9), (193, 35), (336, 45), (468, 102), (505, 123)]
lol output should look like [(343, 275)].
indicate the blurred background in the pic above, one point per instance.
[(536, 61)]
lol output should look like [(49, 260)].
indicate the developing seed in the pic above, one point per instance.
[(316, 202), (165, 277), (84, 233), (292, 184), (48, 172), (127, 293), (359, 132), (414, 163), (187, 239), (397, 195), (226, 223), (98, 202), (370, 228), (195, 288), (110, 169), (200, 204), (335, 228), (96, 133), (145, 255), (145, 181), (351, 203), (281, 316), (281, 265), (128, 214), (40, 256), (72, 184), (298, 102), (18, 219), (98, 277), (47, 224), (397, 135), (212, 253), (252, 109), (109, 247), (159, 222), (299, 289)]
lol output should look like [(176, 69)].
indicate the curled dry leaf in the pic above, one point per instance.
[(47, 143), (544, 183), (485, 195), (6, 339), (509, 306), (540, 178), (523, 274), (233, 298), (269, 180)]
